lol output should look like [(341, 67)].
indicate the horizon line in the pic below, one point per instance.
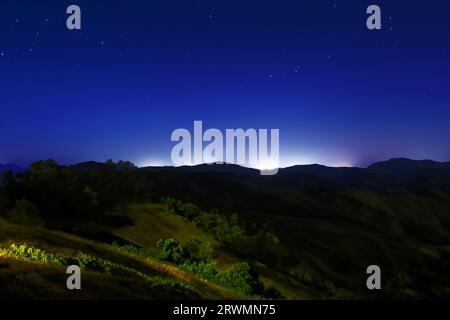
[(224, 163)]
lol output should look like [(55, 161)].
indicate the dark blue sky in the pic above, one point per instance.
[(339, 93)]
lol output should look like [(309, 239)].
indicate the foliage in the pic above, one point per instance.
[(194, 251), (229, 231), (54, 189), (26, 213), (3, 202), (145, 252), (241, 278), (60, 191), (88, 262), (115, 183), (25, 252), (400, 287), (171, 250), (206, 270)]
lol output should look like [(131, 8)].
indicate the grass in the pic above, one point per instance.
[(87, 262), (39, 270), (317, 257), (164, 224), (152, 222)]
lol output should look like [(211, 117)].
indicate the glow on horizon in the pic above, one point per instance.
[(152, 163), (268, 165)]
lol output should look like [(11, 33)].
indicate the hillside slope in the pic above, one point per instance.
[(41, 280)]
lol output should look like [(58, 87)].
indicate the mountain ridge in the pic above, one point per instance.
[(391, 167)]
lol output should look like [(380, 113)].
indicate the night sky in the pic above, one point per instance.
[(339, 93)]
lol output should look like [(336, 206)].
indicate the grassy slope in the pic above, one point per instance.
[(24, 279), (366, 227), (152, 222)]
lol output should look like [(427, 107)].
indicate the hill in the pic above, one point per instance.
[(402, 166), (145, 278), (308, 232)]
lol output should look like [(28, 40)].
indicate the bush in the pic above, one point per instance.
[(25, 213), (206, 270), (33, 254), (244, 280), (199, 251), (171, 250), (85, 261)]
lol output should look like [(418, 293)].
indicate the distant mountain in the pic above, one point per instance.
[(402, 166), (11, 167), (322, 171), (223, 168), (85, 167), (399, 174), (391, 175), (396, 166)]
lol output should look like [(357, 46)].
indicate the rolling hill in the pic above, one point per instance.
[(308, 232)]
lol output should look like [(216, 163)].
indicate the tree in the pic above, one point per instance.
[(26, 213), (171, 250)]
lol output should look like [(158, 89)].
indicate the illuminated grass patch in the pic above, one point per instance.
[(91, 263)]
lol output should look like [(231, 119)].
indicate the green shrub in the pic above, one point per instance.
[(195, 258), (85, 261), (171, 250), (25, 252), (199, 251), (244, 280), (206, 270)]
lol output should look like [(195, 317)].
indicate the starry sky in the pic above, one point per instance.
[(341, 95)]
